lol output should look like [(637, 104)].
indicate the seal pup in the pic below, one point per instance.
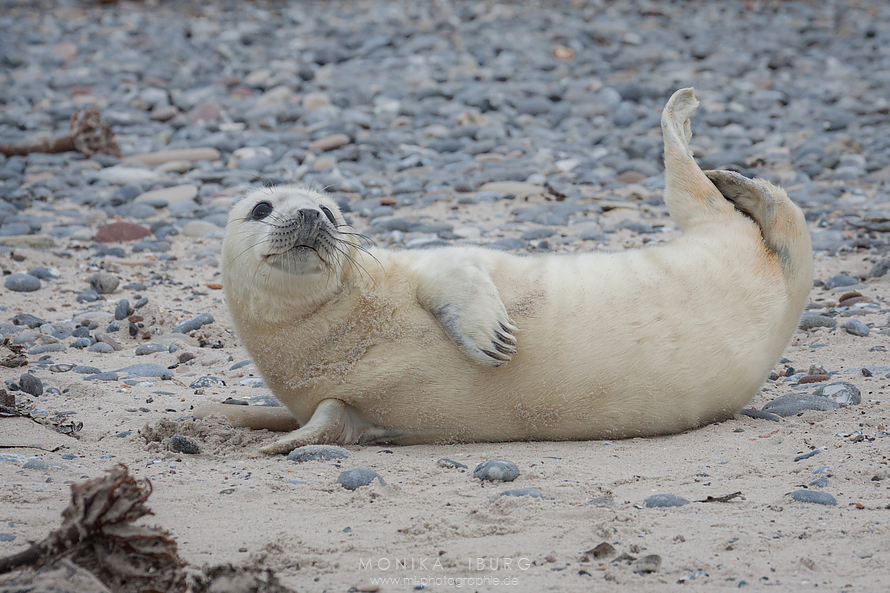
[(461, 344)]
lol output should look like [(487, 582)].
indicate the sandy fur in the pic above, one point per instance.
[(643, 342)]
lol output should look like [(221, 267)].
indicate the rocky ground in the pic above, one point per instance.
[(530, 127)]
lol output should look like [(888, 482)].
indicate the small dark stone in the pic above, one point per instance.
[(353, 479), (317, 453), (193, 323), (812, 453), (87, 296), (180, 443), (31, 384), (496, 470), (122, 310), (113, 327)]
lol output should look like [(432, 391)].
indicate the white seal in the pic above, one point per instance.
[(471, 344)]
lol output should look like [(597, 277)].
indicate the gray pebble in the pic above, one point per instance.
[(664, 500), (811, 320), (143, 349), (496, 470), (844, 394), (81, 343), (814, 497), (444, 462), (102, 377), (803, 456), (122, 310), (317, 453), (86, 370), (819, 483), (193, 323), (45, 273), (46, 348), (100, 347), (28, 320), (353, 479), (22, 283), (841, 280), (855, 327), (114, 326), (647, 564), (147, 369), (202, 382), (37, 463), (7, 537), (880, 268), (180, 443), (793, 403), (532, 492), (104, 283), (31, 384), (88, 296)]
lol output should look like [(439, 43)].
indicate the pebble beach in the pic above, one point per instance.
[(525, 126)]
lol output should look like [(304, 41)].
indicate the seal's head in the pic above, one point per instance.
[(285, 246)]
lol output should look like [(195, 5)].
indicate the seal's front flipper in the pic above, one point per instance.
[(333, 423), (466, 303)]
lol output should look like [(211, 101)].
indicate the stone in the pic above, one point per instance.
[(104, 283), (855, 327), (31, 384), (530, 492), (179, 443), (813, 497), (664, 500), (353, 479), (120, 175), (496, 470), (147, 369), (647, 564), (793, 403), (193, 323), (519, 189), (843, 394), (116, 232), (448, 463), (199, 228), (811, 320), (22, 283)]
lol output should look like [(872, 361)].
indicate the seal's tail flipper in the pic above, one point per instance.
[(689, 194), (781, 223)]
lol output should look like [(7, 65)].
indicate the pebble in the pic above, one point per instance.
[(122, 310), (147, 369), (496, 470), (104, 283), (169, 195), (28, 320), (843, 394), (144, 349), (101, 348), (22, 283), (203, 382), (855, 327), (353, 479), (664, 500), (647, 564), (116, 232), (811, 320), (193, 323), (318, 452), (179, 443), (794, 403), (760, 415), (841, 280), (814, 497), (31, 384), (448, 463)]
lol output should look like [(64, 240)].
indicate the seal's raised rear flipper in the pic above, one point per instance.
[(466, 303), (333, 423), (690, 196)]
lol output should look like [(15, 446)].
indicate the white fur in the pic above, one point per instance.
[(636, 343)]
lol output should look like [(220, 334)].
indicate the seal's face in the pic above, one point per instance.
[(290, 229)]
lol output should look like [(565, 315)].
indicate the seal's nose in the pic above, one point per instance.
[(307, 215)]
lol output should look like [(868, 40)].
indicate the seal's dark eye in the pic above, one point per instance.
[(261, 210), (329, 214)]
